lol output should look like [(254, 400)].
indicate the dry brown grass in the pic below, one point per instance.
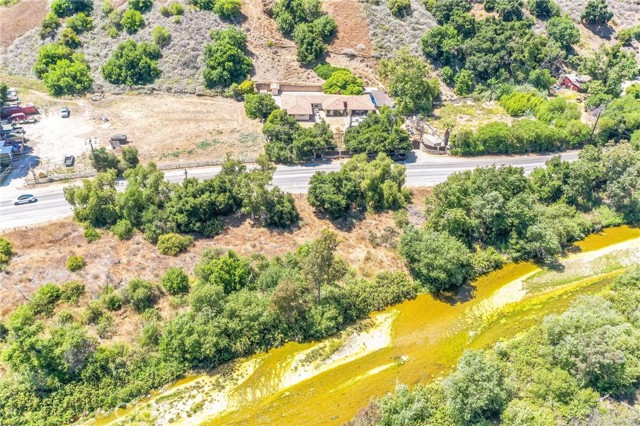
[(17, 20)]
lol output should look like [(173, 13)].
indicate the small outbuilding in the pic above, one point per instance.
[(575, 82)]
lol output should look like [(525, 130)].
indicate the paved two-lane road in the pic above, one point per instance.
[(425, 171)]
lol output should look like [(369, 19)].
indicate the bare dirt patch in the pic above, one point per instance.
[(352, 48), (18, 19), (274, 56), (164, 128)]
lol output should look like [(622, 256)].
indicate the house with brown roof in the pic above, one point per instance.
[(303, 106)]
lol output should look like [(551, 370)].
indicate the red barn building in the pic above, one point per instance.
[(575, 82)]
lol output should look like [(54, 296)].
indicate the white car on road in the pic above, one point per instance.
[(25, 199)]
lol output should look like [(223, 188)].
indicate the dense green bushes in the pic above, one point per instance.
[(75, 263), (225, 60), (597, 12), (156, 207), (483, 53), (50, 25), (80, 23), (381, 132), (325, 70), (564, 31), (376, 186), (288, 141), (343, 82), (574, 367), (259, 106), (521, 137), (161, 36), (64, 8), (405, 77), (608, 68), (310, 28), (436, 259), (520, 217), (132, 64), (238, 306), (175, 281), (62, 71), (6, 252), (172, 244), (521, 103)]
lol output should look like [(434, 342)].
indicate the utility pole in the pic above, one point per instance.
[(593, 130)]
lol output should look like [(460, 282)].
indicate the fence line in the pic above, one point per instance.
[(5, 231), (5, 173), (166, 166)]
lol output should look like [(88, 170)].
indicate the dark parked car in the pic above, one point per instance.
[(69, 160), (119, 138)]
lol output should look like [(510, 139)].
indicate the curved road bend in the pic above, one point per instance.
[(425, 171)]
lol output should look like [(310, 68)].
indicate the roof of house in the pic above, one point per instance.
[(352, 103), (6, 149), (301, 103), (578, 79), (381, 99)]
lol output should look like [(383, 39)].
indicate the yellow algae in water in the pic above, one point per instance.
[(608, 236), (429, 333)]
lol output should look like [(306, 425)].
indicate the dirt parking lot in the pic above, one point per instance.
[(164, 128)]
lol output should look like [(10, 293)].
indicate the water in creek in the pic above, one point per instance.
[(411, 343)]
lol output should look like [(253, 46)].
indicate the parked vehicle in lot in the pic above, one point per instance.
[(25, 199), (119, 138), (69, 160), (65, 112)]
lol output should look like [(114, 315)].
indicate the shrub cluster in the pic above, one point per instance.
[(172, 244), (156, 207), (379, 132), (343, 82), (226, 61), (62, 71), (132, 64), (483, 53), (75, 263), (6, 252), (521, 217), (376, 185), (310, 27), (288, 141), (237, 306)]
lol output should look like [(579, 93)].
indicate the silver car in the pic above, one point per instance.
[(25, 199)]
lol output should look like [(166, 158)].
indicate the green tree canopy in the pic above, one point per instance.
[(259, 106), (437, 260), (406, 79), (563, 30), (597, 12), (377, 133), (225, 60), (343, 82), (132, 64)]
